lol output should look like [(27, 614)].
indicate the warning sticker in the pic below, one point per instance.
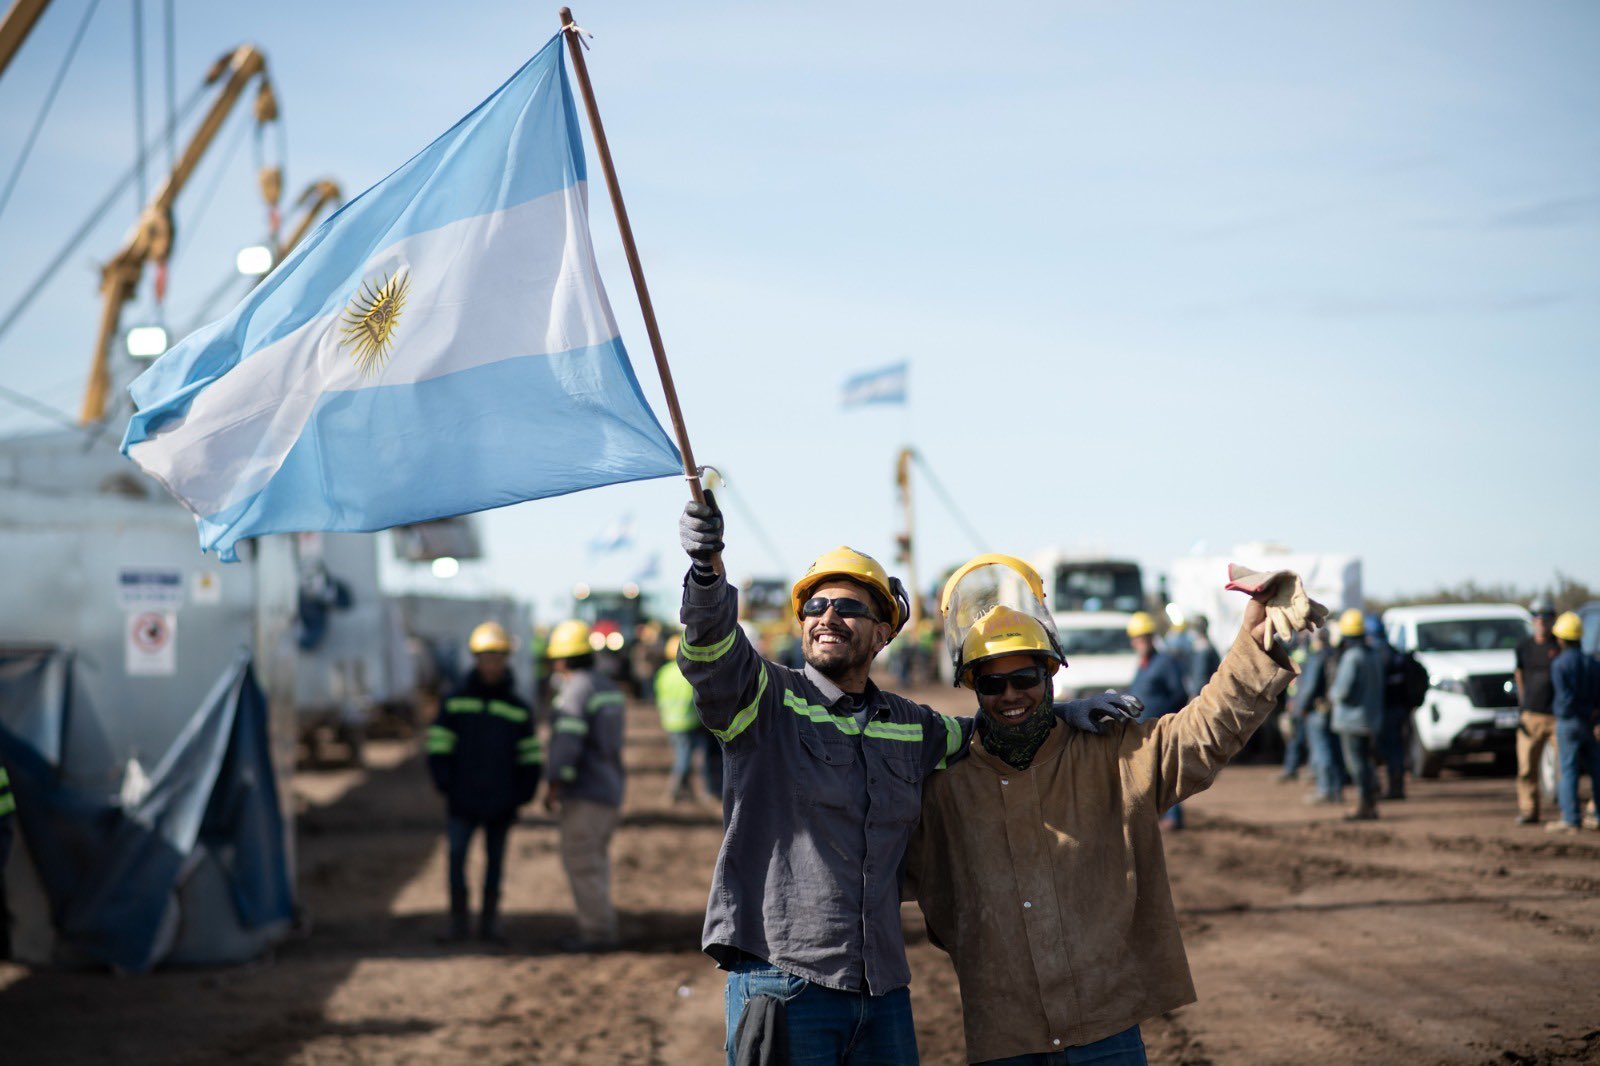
[(151, 644)]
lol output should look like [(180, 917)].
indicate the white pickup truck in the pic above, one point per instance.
[(1469, 651)]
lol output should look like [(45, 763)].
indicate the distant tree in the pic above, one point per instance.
[(1568, 593)]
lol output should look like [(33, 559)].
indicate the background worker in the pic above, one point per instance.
[(1536, 726), (485, 758), (1357, 696), (1027, 851), (1203, 656), (1158, 684), (585, 780), (675, 703), (1575, 704), (1311, 699), (824, 783)]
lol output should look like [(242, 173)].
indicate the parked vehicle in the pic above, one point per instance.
[(1469, 651), (1099, 654)]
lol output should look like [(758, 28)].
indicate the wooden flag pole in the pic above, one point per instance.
[(690, 472)]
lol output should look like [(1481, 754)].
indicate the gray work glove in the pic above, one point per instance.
[(700, 533), (1094, 714)]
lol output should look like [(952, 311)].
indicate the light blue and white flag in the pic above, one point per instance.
[(884, 385), (440, 345), (615, 537)]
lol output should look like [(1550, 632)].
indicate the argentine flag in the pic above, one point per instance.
[(440, 345)]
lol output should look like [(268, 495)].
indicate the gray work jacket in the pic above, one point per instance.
[(819, 808), (585, 754)]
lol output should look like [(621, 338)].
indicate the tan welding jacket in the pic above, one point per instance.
[(1048, 886)]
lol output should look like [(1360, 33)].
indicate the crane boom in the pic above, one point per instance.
[(16, 26), (152, 235), (315, 197)]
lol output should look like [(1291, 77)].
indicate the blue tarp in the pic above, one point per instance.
[(112, 873)]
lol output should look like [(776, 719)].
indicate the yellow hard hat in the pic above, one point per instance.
[(1352, 623), (1141, 624), (490, 636), (1004, 631), (672, 648), (848, 563), (1568, 627), (569, 639)]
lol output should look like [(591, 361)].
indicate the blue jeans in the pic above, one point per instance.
[(1327, 762), (1294, 749), (684, 746), (827, 1027), (1392, 746), (1124, 1049), (459, 833), (1579, 754), (1358, 751)]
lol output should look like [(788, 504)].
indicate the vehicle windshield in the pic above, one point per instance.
[(1098, 587), (1095, 642), (1471, 634)]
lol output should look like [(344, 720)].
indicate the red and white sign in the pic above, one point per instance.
[(151, 644)]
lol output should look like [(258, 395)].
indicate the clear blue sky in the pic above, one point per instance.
[(1165, 273)]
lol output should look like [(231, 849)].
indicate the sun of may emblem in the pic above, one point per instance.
[(368, 323)]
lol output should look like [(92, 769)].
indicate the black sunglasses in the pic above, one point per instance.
[(996, 684), (843, 606)]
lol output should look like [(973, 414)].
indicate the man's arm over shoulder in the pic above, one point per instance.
[(1178, 755), (728, 676), (944, 739)]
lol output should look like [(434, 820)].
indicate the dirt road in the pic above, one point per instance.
[(1440, 934)]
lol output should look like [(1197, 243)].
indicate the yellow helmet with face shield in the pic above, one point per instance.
[(1005, 631), (994, 605)]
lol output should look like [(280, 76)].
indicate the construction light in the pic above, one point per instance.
[(146, 342), (597, 641), (580, 591), (614, 641), (254, 261), (445, 568), (631, 591), (1175, 614)]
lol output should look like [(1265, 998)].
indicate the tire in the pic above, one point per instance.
[(1424, 763)]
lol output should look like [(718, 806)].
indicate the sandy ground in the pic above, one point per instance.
[(1440, 934)]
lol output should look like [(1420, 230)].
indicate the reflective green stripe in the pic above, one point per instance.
[(604, 699), (742, 720), (8, 803), (5, 778), (441, 741), (952, 740), (909, 732), (707, 653), (529, 750), (844, 723), (570, 724), (463, 705), (508, 710), (569, 773), (530, 758)]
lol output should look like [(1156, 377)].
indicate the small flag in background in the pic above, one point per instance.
[(615, 537), (648, 571), (440, 345), (884, 385)]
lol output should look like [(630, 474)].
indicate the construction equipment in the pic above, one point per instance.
[(314, 198), (16, 26), (152, 236)]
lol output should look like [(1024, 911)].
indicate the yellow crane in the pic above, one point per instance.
[(151, 239), (314, 198)]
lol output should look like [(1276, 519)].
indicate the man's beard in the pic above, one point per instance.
[(834, 661)]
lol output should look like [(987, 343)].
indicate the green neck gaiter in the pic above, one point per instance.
[(1017, 744)]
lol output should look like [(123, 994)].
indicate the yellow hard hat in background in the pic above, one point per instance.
[(1004, 631), (1352, 623), (1141, 624), (489, 636), (863, 569), (569, 639), (1568, 627)]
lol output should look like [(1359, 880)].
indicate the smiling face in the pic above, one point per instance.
[(1014, 705), (839, 647)]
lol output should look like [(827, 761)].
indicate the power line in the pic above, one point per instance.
[(138, 94), (172, 87), (49, 101), (77, 238), (43, 410), (950, 503)]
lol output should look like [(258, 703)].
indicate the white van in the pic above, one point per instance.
[(1099, 654)]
